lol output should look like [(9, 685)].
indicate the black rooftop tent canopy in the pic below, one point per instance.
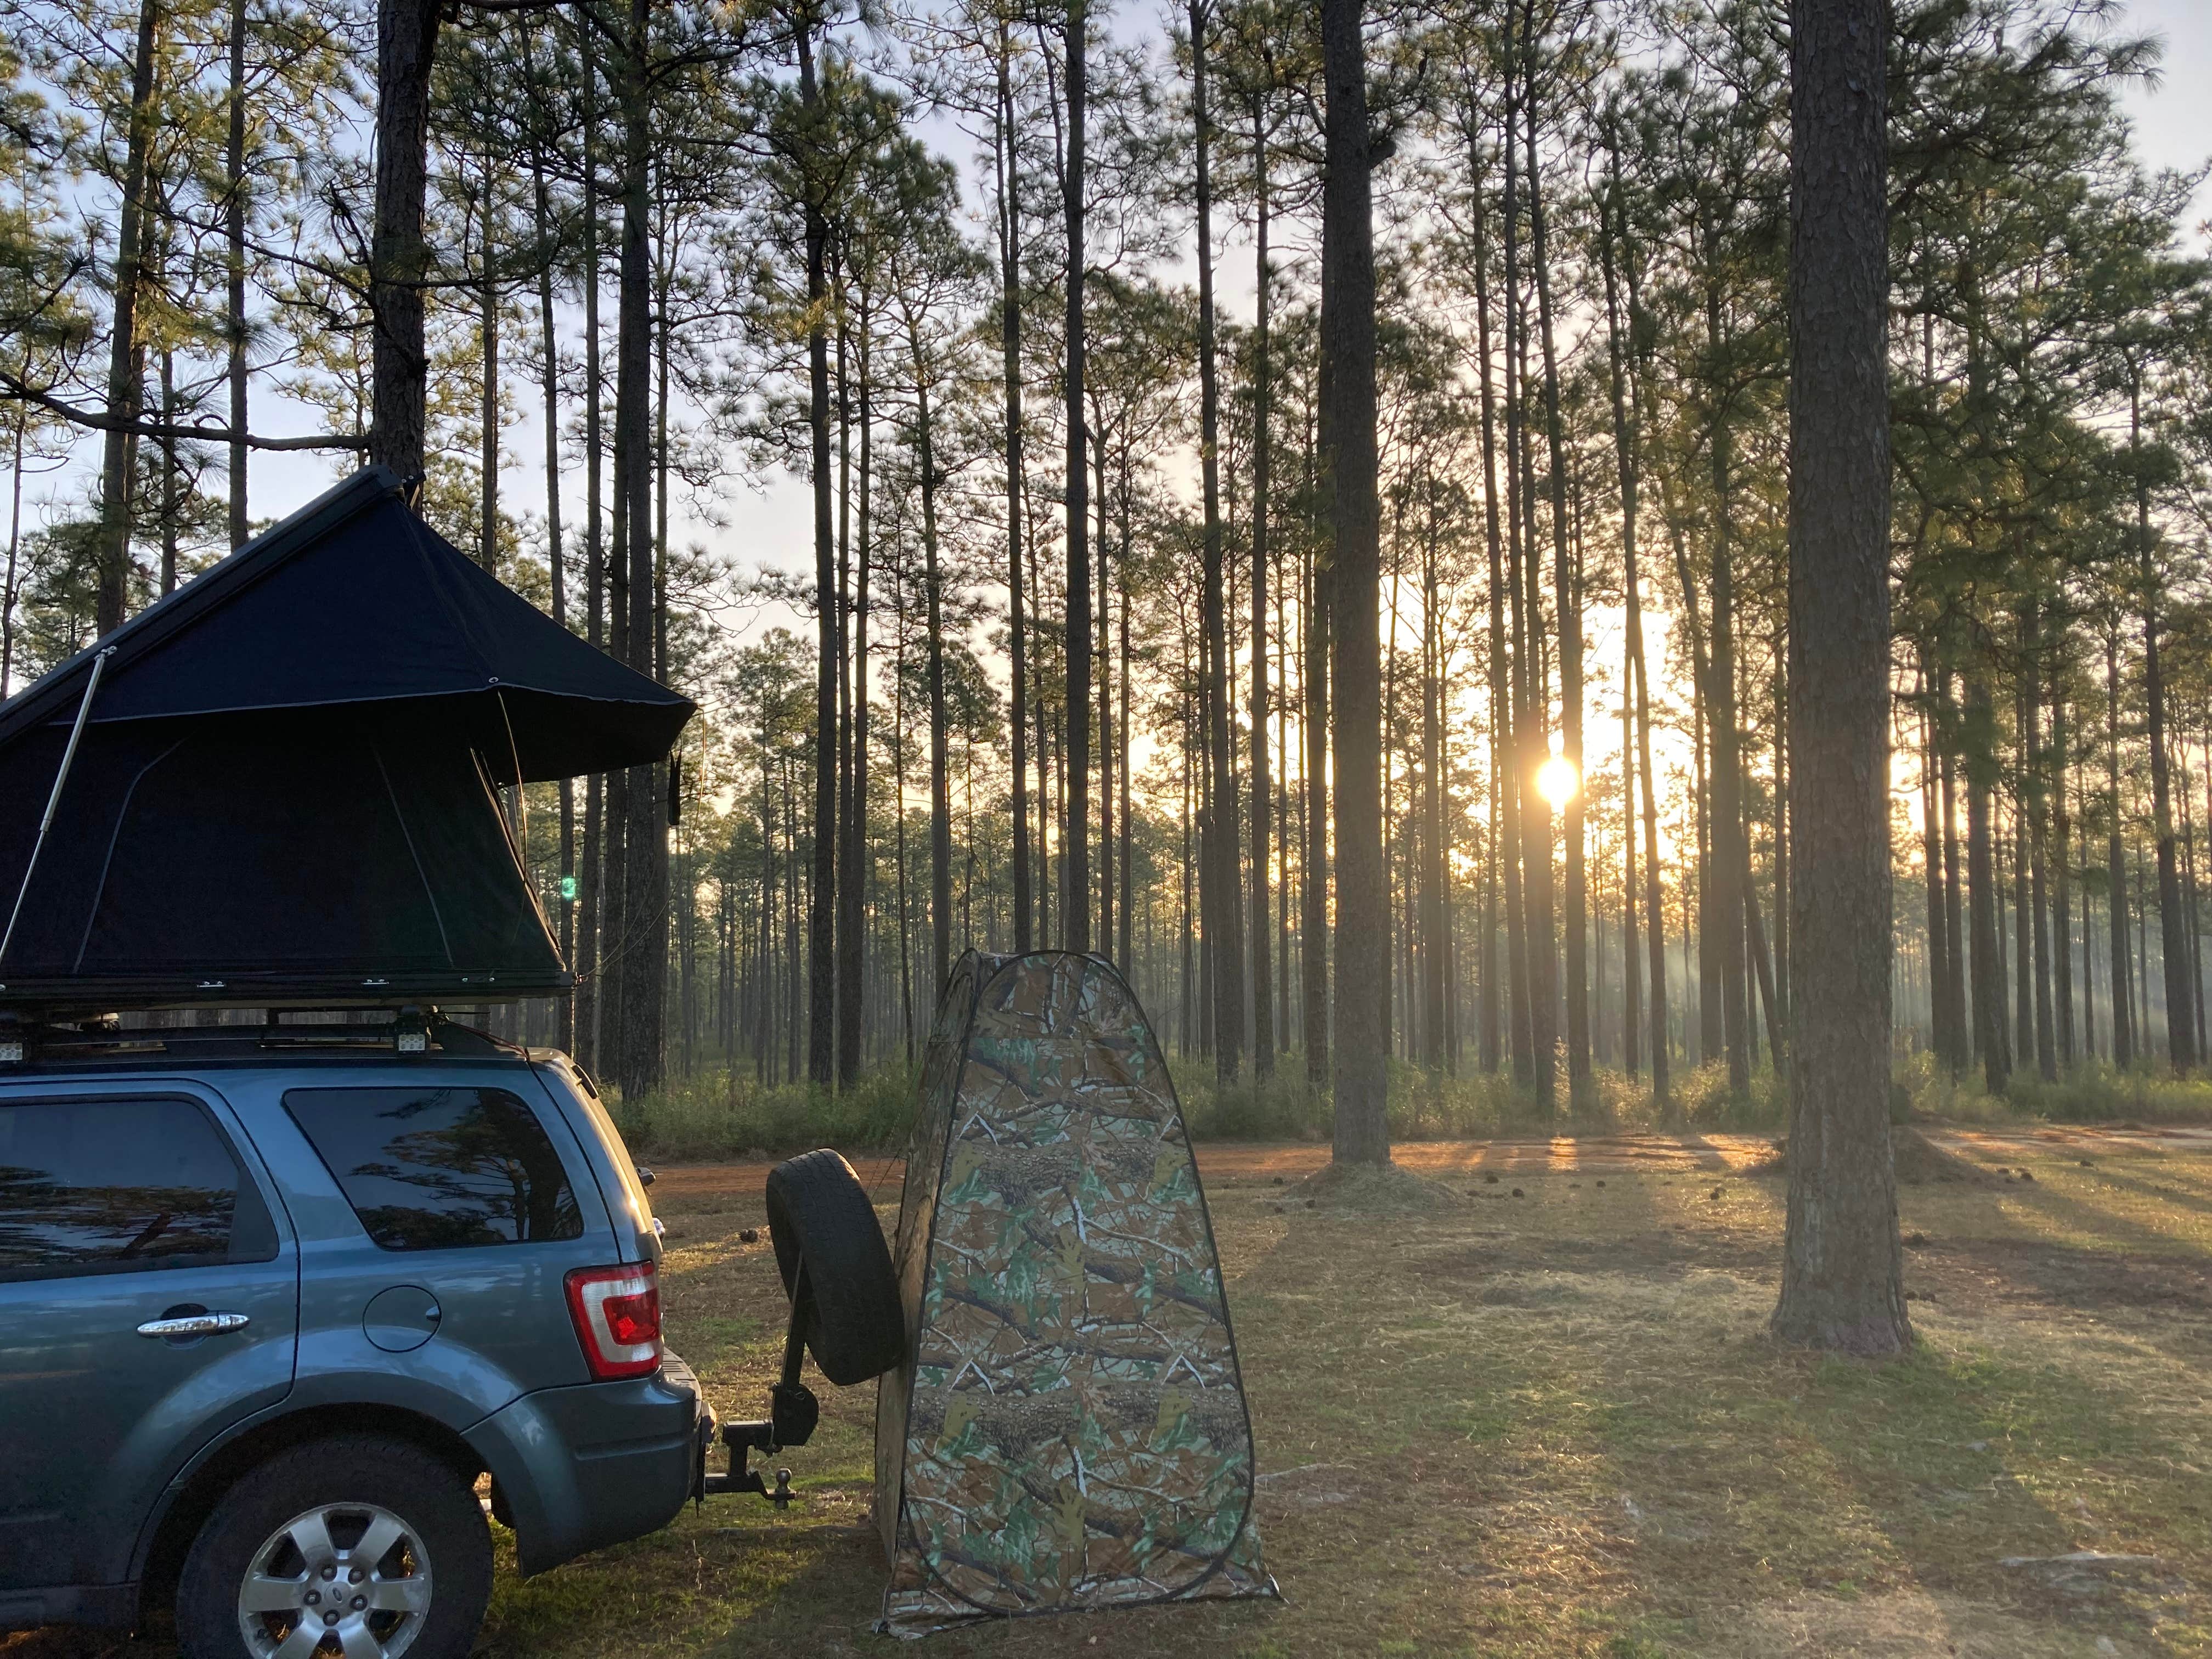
[(285, 787)]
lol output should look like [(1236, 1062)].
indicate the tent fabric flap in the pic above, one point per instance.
[(1069, 1431)]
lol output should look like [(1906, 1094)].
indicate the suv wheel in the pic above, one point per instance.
[(354, 1544)]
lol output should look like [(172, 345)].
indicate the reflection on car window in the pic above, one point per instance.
[(118, 1186), (437, 1169)]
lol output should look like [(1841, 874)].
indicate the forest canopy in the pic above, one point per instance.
[(1030, 299)]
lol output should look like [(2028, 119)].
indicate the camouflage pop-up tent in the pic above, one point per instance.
[(1068, 1432)]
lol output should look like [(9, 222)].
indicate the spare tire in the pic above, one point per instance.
[(818, 1214)]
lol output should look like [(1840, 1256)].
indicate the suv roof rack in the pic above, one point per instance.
[(406, 1030)]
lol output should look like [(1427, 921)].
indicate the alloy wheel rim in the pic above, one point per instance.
[(347, 1579)]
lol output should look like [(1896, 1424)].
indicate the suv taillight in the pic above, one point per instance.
[(618, 1316)]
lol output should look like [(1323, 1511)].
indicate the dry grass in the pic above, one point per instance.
[(1553, 1425)]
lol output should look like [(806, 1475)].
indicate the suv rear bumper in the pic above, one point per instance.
[(585, 1467)]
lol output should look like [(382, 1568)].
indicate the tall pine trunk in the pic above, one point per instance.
[(822, 873), (940, 805), (644, 842), (234, 222), (1220, 904), (2062, 844), (124, 383), (590, 998), (1314, 861), (1566, 601), (1348, 446), (1506, 825), (1434, 946), (1536, 970), (399, 260), (2126, 1033), (852, 843), (1075, 820), (1009, 352), (549, 348), (2175, 943), (1842, 1269), (1731, 862), (1263, 1018), (1627, 436), (1983, 903)]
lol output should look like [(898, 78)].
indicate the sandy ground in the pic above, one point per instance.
[(1233, 1160)]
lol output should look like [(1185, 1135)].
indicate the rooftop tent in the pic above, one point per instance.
[(285, 788), (1069, 1431)]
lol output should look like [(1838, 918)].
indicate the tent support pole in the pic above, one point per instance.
[(54, 797)]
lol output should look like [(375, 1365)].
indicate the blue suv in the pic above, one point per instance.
[(274, 1302)]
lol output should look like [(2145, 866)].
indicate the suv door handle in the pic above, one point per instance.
[(199, 1324)]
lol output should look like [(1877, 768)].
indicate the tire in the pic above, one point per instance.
[(429, 1585), (819, 1213)]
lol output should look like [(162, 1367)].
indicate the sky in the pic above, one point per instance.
[(766, 521), (770, 522)]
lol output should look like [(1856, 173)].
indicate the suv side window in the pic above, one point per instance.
[(432, 1169), (122, 1186)]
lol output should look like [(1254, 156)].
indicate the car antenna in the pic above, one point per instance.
[(54, 797)]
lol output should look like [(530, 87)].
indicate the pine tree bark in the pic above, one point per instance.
[(1843, 1267), (234, 222), (2174, 923), (852, 841), (1347, 344), (1983, 904), (1954, 931), (1505, 827), (1102, 661), (1627, 437), (1536, 970), (1075, 831), (125, 394), (1435, 946), (590, 997), (557, 557), (2046, 1047), (2124, 1029), (1220, 902), (1263, 1016), (488, 332), (941, 803), (1009, 352), (1576, 905), (1731, 860), (398, 259), (1931, 836), (2062, 878), (822, 873), (645, 839), (1314, 861)]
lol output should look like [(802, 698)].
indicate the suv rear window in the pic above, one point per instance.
[(438, 1169), (122, 1186)]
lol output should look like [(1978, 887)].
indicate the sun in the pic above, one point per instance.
[(1557, 780)]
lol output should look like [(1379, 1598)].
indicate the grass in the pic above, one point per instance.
[(1553, 1427), (2097, 1093), (727, 1113)]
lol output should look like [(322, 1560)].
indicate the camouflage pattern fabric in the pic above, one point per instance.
[(1069, 1431)]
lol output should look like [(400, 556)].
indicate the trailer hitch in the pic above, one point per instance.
[(793, 1413)]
